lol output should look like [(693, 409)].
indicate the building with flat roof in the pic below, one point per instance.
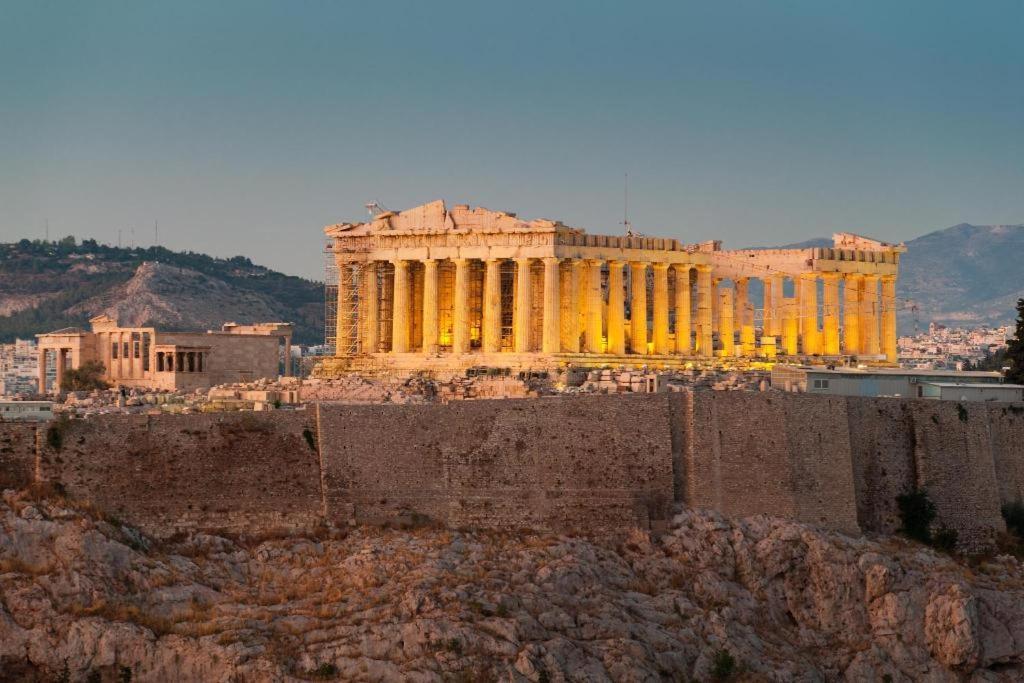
[(148, 358), (434, 287), (850, 381), (25, 411)]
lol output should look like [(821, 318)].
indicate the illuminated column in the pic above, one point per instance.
[(889, 318), (371, 326), (726, 331), (595, 306), (41, 355), (570, 295), (869, 315), (521, 324), (638, 307), (682, 306), (492, 306), (767, 306), (343, 334), (660, 332), (790, 327), (430, 332), (851, 314), (460, 307), (400, 308), (778, 292), (705, 344), (745, 317), (809, 314), (830, 314), (616, 309), (552, 330)]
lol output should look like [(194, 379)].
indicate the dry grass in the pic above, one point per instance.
[(20, 566)]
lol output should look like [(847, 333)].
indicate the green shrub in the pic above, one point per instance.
[(917, 512), (945, 539), (85, 378), (1013, 513), (310, 439), (55, 432), (325, 671), (961, 412), (723, 666)]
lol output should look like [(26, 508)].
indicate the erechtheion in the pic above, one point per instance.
[(438, 288), (148, 358)]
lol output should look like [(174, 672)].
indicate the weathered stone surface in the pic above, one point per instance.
[(787, 601)]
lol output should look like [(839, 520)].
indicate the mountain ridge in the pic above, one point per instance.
[(49, 285)]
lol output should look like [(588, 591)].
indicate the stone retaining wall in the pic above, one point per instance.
[(587, 464)]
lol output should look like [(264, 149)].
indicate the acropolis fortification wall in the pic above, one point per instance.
[(590, 464)]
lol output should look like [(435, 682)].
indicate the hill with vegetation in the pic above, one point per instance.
[(47, 285)]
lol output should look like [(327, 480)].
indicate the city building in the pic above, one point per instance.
[(148, 358), (25, 411), (939, 384), (18, 368), (438, 288)]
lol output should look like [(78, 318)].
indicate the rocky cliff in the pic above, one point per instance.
[(87, 598)]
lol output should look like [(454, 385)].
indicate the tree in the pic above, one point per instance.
[(1015, 349), (85, 378)]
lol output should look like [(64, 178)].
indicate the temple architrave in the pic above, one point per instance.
[(432, 288), (147, 358)]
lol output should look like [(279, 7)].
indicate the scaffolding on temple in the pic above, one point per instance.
[(330, 299)]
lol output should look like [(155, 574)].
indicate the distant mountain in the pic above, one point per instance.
[(965, 275), (48, 285)]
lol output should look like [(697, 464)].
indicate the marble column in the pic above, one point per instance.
[(343, 332), (595, 308), (492, 306), (809, 314), (745, 318), (41, 355), (726, 331), (616, 309), (660, 329), (851, 313), (430, 331), (570, 296), (460, 307), (400, 308), (638, 307), (768, 306), (888, 305), (552, 326), (371, 300), (524, 298), (705, 343), (790, 326), (774, 284), (682, 310), (61, 362), (869, 315), (830, 314)]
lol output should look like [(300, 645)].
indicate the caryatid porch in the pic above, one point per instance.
[(434, 288)]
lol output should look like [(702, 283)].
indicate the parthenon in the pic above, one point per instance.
[(438, 288)]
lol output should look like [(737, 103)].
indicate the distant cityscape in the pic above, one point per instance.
[(951, 348)]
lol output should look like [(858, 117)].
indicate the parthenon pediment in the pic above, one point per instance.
[(435, 217)]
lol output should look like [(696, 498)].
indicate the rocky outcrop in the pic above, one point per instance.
[(713, 598)]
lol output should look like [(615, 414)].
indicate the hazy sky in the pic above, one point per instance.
[(244, 127)]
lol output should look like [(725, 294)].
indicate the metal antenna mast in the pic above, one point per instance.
[(625, 205)]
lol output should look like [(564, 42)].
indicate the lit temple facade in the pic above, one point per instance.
[(434, 288)]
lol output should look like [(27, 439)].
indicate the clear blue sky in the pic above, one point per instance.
[(244, 127)]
